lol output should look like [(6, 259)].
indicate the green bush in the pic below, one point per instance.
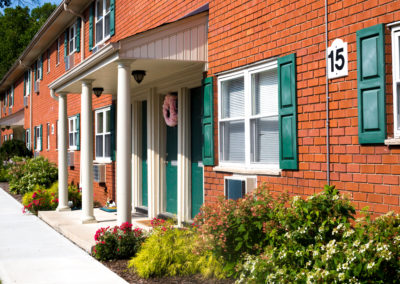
[(41, 198), (12, 148), (25, 174), (119, 242), (170, 251), (3, 173)]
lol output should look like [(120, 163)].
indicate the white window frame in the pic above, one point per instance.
[(48, 136), (72, 37), (102, 159), (396, 80), (58, 52), (38, 138), (11, 136), (38, 69), (5, 138), (28, 83), (74, 131), (246, 73), (101, 17)]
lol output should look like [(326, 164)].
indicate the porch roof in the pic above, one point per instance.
[(163, 51), (14, 120)]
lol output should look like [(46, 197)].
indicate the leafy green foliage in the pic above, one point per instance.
[(40, 199), (17, 27), (3, 174), (47, 198), (24, 175), (169, 251), (119, 242), (11, 148)]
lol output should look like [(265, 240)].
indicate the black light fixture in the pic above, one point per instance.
[(138, 75), (98, 91)]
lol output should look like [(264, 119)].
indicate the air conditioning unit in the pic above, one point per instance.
[(36, 86), (9, 110), (4, 110), (71, 159), (237, 186), (26, 101), (99, 173), (36, 154), (69, 62)]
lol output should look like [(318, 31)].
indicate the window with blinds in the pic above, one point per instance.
[(248, 117)]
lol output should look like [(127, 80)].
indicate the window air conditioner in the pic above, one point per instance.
[(9, 110), (36, 86), (69, 62), (237, 186), (26, 101), (71, 159), (99, 173), (4, 110)]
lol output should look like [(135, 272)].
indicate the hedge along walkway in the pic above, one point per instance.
[(32, 252)]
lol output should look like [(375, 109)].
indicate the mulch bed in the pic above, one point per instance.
[(120, 266)]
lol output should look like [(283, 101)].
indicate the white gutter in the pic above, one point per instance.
[(53, 94), (103, 53)]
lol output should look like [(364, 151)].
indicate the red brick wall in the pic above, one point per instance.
[(244, 32)]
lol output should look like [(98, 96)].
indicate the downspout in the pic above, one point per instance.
[(82, 27), (327, 98), (53, 94)]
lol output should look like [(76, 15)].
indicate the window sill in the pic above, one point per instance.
[(102, 161), (251, 171), (392, 141)]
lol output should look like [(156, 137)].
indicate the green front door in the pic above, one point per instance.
[(172, 169), (196, 148), (144, 154)]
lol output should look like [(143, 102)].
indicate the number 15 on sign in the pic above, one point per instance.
[(337, 59)]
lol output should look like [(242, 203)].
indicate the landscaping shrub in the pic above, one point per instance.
[(41, 198), (12, 148), (169, 251), (119, 242), (303, 241), (3, 173), (25, 174)]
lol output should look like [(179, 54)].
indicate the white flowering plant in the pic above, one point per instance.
[(322, 245)]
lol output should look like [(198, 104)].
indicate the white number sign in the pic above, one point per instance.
[(337, 59)]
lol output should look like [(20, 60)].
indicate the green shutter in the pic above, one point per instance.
[(112, 130), (23, 136), (41, 67), (371, 85), (287, 105), (112, 17), (66, 43), (34, 71), (91, 16), (41, 137), (78, 35), (78, 130), (34, 138), (208, 122), (9, 98)]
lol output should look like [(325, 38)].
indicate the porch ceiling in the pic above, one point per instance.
[(14, 120)]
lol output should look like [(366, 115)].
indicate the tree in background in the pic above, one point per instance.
[(17, 27), (7, 3)]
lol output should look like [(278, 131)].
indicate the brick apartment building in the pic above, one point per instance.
[(251, 83)]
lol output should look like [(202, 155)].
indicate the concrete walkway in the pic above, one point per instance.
[(32, 252)]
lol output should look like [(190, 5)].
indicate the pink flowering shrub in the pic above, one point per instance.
[(119, 242), (231, 228)]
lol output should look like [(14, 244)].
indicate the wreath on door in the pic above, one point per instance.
[(170, 110)]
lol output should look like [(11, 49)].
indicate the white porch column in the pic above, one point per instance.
[(136, 155), (153, 153), (183, 155), (124, 145), (62, 154), (87, 152)]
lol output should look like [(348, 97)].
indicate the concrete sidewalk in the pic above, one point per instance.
[(32, 252)]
